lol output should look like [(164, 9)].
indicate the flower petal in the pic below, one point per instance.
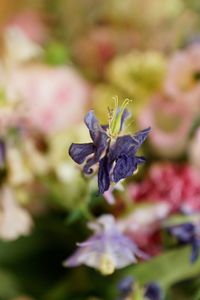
[(122, 146), (103, 175), (125, 166), (79, 152), (95, 129), (183, 232), (153, 291), (100, 139), (141, 136)]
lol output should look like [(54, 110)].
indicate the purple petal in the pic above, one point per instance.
[(153, 291), (125, 166), (100, 139), (125, 286), (141, 136), (103, 175), (79, 152), (184, 232), (95, 158), (121, 146), (95, 129)]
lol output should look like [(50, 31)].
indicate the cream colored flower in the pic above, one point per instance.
[(14, 220), (18, 47), (18, 172)]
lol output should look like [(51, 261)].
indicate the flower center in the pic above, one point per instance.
[(116, 117), (106, 264)]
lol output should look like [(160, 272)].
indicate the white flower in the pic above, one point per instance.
[(18, 47), (14, 220)]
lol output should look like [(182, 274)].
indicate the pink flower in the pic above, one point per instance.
[(183, 80), (177, 185), (55, 98), (31, 23), (143, 225), (170, 123)]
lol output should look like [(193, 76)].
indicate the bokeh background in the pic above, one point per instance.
[(58, 59)]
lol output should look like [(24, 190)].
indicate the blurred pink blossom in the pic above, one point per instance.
[(170, 123), (55, 98), (183, 77), (31, 23), (177, 185), (143, 225), (14, 219)]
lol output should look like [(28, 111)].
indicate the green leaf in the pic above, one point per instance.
[(181, 219), (56, 54), (9, 286), (167, 269)]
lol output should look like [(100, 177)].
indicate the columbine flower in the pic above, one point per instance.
[(116, 155), (188, 233), (107, 249)]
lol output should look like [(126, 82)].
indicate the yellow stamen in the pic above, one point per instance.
[(115, 120), (106, 264)]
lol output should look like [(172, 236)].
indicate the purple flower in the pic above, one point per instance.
[(188, 233), (129, 289), (126, 287), (114, 154), (153, 291), (107, 249)]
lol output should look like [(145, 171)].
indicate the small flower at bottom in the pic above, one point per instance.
[(107, 249), (188, 233), (114, 154), (153, 291), (130, 289)]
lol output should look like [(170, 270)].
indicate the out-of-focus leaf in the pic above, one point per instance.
[(180, 219), (9, 286), (56, 54), (167, 269)]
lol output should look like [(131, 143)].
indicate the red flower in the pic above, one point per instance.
[(178, 185)]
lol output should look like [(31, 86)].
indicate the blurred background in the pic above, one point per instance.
[(58, 59)]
